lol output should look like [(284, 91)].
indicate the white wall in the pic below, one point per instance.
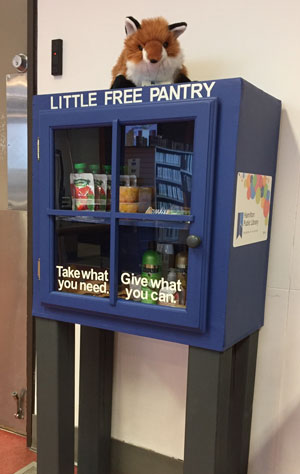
[(258, 40)]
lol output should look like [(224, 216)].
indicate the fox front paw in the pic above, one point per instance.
[(121, 82)]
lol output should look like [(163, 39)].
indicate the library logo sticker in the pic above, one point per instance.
[(252, 208)]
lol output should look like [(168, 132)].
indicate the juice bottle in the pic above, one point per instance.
[(82, 189), (100, 184), (107, 171)]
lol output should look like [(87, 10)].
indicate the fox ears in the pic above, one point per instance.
[(178, 28), (132, 25)]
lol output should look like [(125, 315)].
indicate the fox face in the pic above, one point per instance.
[(151, 53)]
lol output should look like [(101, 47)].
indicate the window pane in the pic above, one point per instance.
[(156, 168), (83, 168), (153, 263), (82, 257)]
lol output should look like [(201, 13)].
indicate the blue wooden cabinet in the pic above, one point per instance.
[(152, 209)]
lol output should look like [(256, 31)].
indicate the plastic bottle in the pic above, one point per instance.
[(107, 171), (169, 296), (181, 262), (167, 257), (82, 189), (80, 167), (100, 184), (151, 270)]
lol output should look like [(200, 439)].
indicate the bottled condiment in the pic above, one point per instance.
[(107, 171), (169, 296), (151, 270), (172, 275), (80, 167), (167, 257), (100, 184), (181, 263)]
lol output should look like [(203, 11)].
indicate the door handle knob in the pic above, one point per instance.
[(193, 241)]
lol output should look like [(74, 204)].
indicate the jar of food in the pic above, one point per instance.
[(129, 194), (129, 207)]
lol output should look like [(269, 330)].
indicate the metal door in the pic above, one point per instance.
[(13, 297), (13, 267)]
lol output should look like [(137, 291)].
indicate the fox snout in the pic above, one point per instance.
[(153, 51)]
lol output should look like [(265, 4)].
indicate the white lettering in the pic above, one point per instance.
[(174, 93), (154, 92), (67, 97), (106, 275), (154, 296), (136, 294), (163, 94), (155, 283), (93, 99), (59, 268), (128, 294), (209, 87), (82, 104), (185, 87), (137, 95), (125, 278), (196, 88), (166, 298), (76, 97), (52, 106), (107, 97), (118, 97), (128, 96)]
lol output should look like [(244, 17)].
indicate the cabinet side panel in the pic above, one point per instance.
[(256, 155)]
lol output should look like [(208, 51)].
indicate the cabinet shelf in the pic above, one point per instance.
[(169, 199), (104, 217), (160, 148), (91, 217), (157, 224), (171, 150), (167, 218), (169, 181)]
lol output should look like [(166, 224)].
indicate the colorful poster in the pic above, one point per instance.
[(252, 208)]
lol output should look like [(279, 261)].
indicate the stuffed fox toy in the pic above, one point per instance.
[(151, 54)]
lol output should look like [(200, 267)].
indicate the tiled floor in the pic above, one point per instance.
[(14, 455), (29, 469)]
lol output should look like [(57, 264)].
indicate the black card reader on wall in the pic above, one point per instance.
[(56, 57)]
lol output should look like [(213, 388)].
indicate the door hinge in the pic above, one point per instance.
[(39, 268), (38, 148)]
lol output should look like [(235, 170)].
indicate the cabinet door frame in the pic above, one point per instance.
[(204, 113)]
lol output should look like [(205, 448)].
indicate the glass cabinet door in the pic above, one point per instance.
[(155, 178), (156, 167), (82, 251), (82, 168), (153, 263), (119, 199)]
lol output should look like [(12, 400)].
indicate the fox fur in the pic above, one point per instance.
[(151, 54)]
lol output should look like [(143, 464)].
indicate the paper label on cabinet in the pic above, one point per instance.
[(252, 208)]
